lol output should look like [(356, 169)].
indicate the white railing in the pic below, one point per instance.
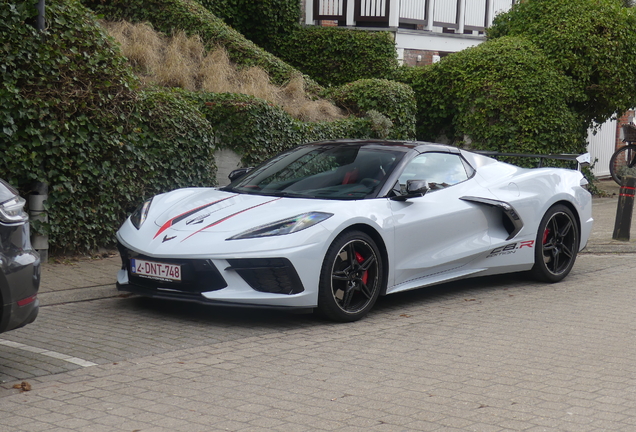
[(454, 14), (373, 8), (330, 8), (413, 11)]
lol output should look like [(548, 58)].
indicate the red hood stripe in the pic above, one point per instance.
[(182, 216), (228, 217)]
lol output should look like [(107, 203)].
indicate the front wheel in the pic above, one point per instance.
[(557, 244), (623, 162), (351, 277)]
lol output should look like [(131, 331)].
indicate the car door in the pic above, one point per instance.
[(438, 234)]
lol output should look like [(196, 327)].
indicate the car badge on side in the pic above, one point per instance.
[(166, 238)]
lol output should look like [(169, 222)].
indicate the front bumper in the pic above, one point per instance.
[(268, 282)]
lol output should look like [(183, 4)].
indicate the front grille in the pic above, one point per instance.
[(197, 275), (272, 275)]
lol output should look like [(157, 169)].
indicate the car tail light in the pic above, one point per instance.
[(12, 211), (27, 300)]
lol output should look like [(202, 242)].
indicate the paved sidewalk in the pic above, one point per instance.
[(89, 279)]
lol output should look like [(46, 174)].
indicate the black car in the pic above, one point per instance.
[(19, 263)]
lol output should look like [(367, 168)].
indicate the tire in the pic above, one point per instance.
[(622, 161), (351, 277), (557, 245)]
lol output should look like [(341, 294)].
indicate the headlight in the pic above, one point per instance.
[(285, 226), (12, 210), (139, 215)]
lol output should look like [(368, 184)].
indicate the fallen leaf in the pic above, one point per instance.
[(23, 386)]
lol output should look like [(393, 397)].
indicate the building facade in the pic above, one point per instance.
[(424, 30)]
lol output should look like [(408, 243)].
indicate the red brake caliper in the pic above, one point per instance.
[(360, 260), (546, 233)]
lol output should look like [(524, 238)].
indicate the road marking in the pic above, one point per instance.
[(53, 354)]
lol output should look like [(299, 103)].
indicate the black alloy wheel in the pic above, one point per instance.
[(557, 244), (351, 277)]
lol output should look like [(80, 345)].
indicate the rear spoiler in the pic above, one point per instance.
[(581, 160)]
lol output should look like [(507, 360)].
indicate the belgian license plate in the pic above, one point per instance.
[(155, 270)]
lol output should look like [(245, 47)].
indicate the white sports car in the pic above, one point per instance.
[(333, 225)]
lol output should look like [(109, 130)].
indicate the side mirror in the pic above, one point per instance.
[(238, 173), (414, 188)]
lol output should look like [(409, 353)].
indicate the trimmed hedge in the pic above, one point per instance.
[(72, 119), (395, 100), (591, 41), (173, 145), (193, 18), (501, 95), (336, 56), (264, 22), (258, 130)]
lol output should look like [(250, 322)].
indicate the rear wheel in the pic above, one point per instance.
[(557, 244), (623, 162), (351, 277)]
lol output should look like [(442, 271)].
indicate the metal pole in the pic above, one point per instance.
[(40, 23), (40, 242), (625, 209)]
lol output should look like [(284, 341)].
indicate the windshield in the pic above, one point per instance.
[(323, 171)]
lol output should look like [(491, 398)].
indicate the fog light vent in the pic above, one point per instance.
[(272, 275)]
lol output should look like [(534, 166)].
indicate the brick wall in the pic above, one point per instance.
[(622, 120), (418, 57)]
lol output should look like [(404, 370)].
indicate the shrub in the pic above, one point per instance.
[(258, 130), (264, 22), (393, 99), (174, 144), (72, 119), (336, 56), (592, 41), (502, 95)]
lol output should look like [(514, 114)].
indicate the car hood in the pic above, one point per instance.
[(194, 211), (197, 222)]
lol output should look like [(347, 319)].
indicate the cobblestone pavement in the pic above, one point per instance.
[(491, 354)]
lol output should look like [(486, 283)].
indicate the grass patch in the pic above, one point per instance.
[(182, 61)]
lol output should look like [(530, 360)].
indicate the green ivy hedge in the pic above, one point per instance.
[(395, 100), (503, 95), (264, 22), (336, 56), (193, 18), (258, 130), (72, 119)]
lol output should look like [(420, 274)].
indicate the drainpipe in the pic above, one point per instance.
[(40, 192), (39, 242), (430, 14), (461, 16), (39, 23)]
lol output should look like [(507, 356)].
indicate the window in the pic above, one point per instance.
[(440, 170)]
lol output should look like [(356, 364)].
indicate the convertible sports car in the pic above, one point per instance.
[(331, 226)]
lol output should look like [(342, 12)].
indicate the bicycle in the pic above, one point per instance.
[(623, 161)]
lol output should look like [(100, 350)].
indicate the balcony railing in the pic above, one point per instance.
[(457, 15)]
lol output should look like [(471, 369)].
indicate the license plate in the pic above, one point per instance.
[(155, 270)]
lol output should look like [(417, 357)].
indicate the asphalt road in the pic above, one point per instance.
[(491, 354)]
